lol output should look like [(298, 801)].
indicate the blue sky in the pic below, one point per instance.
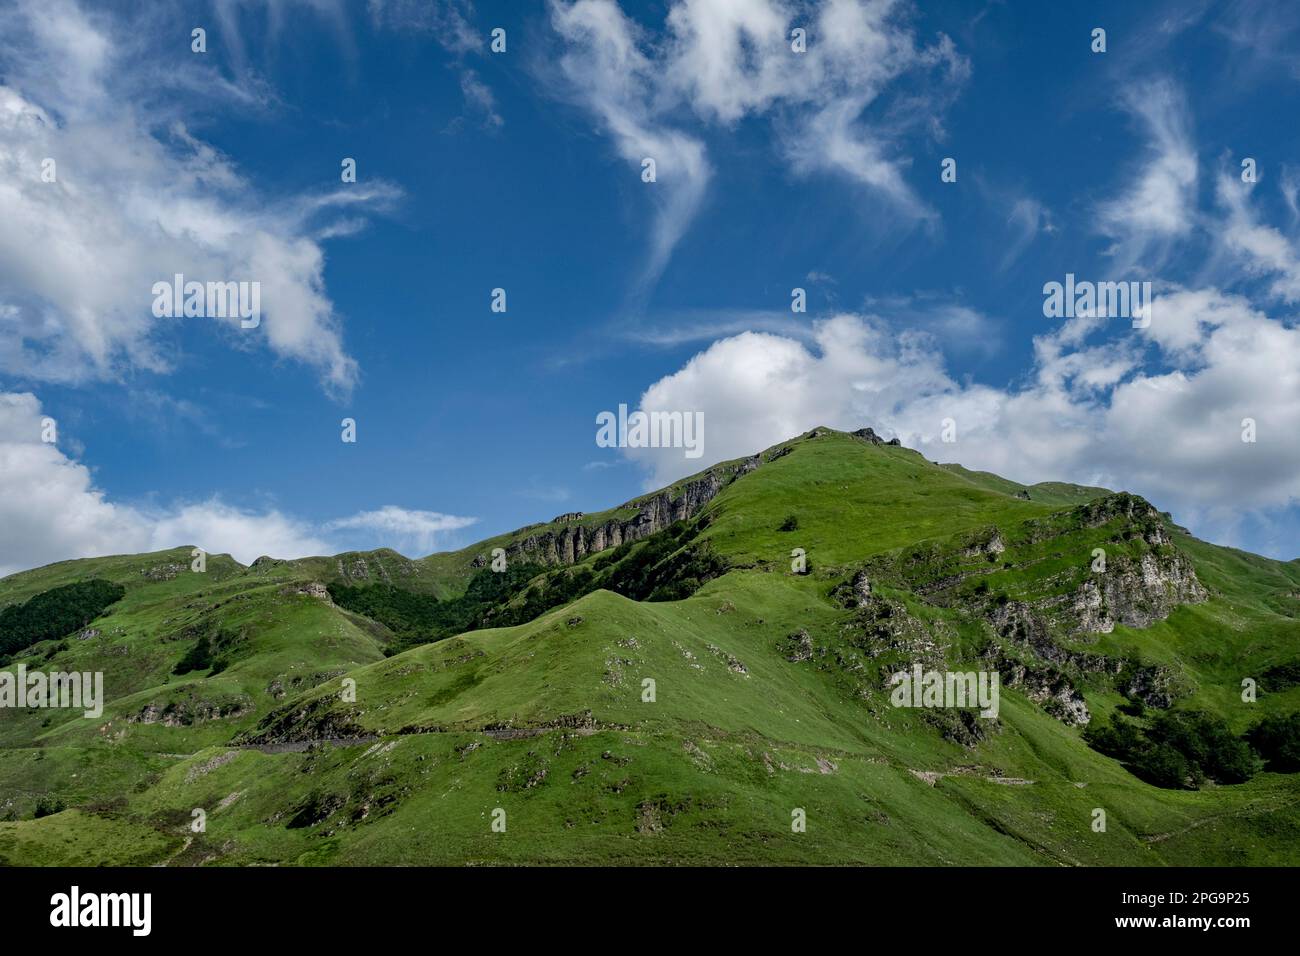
[(521, 170)]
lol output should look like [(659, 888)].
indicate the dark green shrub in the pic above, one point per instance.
[(1277, 739), (1165, 767), (1281, 676), (47, 806), (197, 658)]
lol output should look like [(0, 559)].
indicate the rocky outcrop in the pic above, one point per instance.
[(988, 545), (1133, 592), (868, 435), (163, 572), (186, 713), (573, 543), (1039, 618), (313, 589), (797, 647), (1049, 689), (373, 567), (1136, 593), (861, 589), (884, 629), (960, 725), (1154, 686)]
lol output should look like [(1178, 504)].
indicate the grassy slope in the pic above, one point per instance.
[(708, 772), (1048, 492)]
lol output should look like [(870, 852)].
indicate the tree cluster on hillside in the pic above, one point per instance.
[(1184, 749), (55, 613)]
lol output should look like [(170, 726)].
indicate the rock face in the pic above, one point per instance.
[(797, 647), (573, 543), (861, 589), (315, 589), (1135, 593), (1048, 688), (185, 713), (868, 435), (1037, 620), (373, 567)]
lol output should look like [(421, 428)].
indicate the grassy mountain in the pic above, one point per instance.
[(666, 682)]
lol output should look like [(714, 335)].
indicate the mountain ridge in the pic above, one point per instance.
[(768, 620)]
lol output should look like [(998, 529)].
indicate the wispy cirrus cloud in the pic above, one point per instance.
[(1159, 204), (451, 24), (715, 64)]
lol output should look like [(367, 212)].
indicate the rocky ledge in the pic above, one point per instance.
[(573, 543)]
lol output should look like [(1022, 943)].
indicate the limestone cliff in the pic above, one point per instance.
[(575, 541)]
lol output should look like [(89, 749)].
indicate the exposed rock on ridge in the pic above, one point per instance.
[(575, 542)]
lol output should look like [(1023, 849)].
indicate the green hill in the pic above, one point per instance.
[(682, 679)]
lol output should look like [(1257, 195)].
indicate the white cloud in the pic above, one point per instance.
[(1157, 412), (1160, 202), (49, 507), (423, 528), (50, 510), (1027, 218), (1263, 250), (448, 19), (219, 528), (727, 61), (957, 328), (478, 96), (607, 71), (137, 199), (448, 22)]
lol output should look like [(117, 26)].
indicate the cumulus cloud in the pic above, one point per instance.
[(724, 62), (49, 507), (51, 510), (135, 199), (423, 528), (1158, 411), (220, 528)]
